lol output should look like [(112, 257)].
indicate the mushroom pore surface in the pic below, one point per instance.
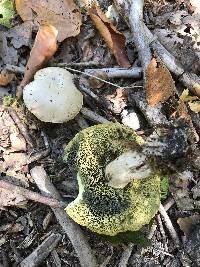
[(52, 96), (99, 206)]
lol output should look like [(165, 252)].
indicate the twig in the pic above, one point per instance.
[(126, 255), (22, 127), (76, 64), (160, 224), (28, 194), (137, 28), (93, 116), (38, 155), (169, 203), (169, 225), (73, 231), (42, 251), (56, 258), (111, 73), (100, 79), (152, 231)]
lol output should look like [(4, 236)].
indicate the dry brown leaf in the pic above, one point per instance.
[(44, 48), (186, 224), (119, 100), (6, 78), (114, 39), (159, 85), (62, 14)]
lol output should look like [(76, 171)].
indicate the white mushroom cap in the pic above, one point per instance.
[(52, 96)]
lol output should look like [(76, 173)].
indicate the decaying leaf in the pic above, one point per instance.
[(196, 87), (114, 39), (44, 47), (6, 78), (119, 100), (185, 97), (8, 199), (194, 106), (193, 101), (159, 85), (20, 35), (186, 224), (62, 14)]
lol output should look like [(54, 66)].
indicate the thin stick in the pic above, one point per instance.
[(42, 251), (93, 116), (76, 64), (169, 225), (73, 231), (100, 79), (169, 203), (137, 28), (22, 127), (28, 194), (112, 73), (126, 255)]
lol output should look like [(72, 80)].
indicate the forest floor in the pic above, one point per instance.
[(158, 102)]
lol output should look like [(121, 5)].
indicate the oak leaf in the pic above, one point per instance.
[(44, 48), (159, 83), (62, 14), (114, 39)]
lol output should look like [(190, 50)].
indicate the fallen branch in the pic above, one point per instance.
[(42, 251), (28, 194), (137, 28), (73, 231), (112, 73)]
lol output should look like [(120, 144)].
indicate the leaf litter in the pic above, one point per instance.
[(15, 151), (64, 15)]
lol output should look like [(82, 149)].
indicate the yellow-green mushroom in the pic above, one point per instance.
[(119, 190)]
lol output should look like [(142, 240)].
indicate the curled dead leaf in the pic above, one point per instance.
[(114, 39), (6, 78), (62, 14), (44, 48), (159, 85)]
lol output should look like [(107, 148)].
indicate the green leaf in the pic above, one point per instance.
[(164, 187), (7, 12)]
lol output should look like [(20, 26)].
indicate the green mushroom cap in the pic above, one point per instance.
[(100, 207)]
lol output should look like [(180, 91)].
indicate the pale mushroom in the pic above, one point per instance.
[(52, 96)]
